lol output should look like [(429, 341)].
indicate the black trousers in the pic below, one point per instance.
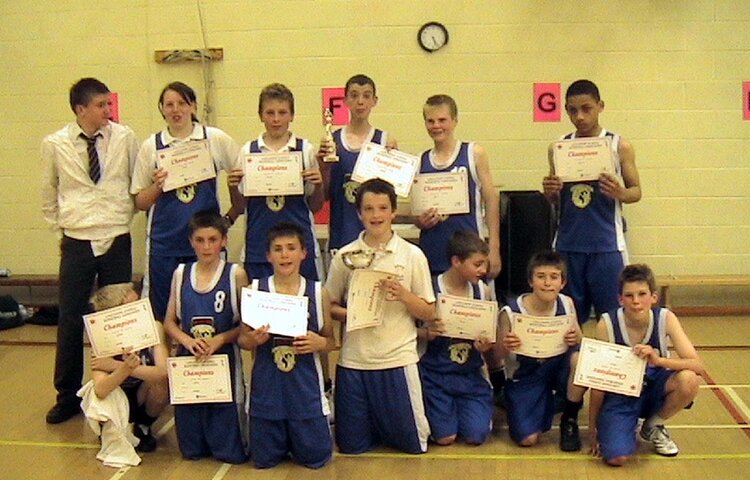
[(79, 270)]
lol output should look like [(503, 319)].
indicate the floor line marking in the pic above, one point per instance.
[(165, 428), (727, 403), (560, 456), (738, 402), (120, 473), (221, 473)]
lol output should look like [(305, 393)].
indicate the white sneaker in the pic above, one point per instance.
[(659, 436)]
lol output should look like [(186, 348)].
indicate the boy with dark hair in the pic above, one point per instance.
[(450, 155), (591, 233), (202, 317), (531, 382), (288, 408), (457, 392), (341, 190), (85, 181), (378, 394), (670, 384)]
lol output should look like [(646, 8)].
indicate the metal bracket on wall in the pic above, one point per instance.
[(186, 55)]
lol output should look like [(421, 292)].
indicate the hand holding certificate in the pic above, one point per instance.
[(365, 299), (127, 326), (285, 314), (609, 367), (582, 159), (268, 174), (395, 167), (447, 192), (541, 337), (467, 318), (199, 381), (186, 164)]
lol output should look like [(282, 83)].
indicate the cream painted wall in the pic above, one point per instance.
[(670, 73)]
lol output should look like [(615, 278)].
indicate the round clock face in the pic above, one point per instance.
[(432, 36)]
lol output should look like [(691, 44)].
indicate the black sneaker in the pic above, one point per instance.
[(570, 438), (147, 441), (62, 412)]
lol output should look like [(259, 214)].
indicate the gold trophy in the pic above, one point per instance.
[(330, 156)]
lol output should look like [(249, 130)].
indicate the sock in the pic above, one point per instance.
[(571, 410), (653, 421)]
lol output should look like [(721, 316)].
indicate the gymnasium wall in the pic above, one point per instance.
[(670, 73)]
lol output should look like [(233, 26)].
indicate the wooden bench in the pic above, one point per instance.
[(665, 283), (27, 286)]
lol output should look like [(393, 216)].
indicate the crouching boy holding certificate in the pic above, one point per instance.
[(539, 335), (288, 407), (457, 391), (202, 316), (378, 394), (670, 384)]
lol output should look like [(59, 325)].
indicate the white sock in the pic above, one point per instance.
[(653, 421)]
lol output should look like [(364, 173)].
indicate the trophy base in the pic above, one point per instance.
[(331, 159)]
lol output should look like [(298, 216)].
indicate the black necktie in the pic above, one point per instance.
[(94, 170)]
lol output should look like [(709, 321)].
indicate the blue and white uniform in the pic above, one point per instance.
[(529, 390), (619, 414), (212, 429), (434, 241), (265, 212), (344, 225), (591, 239), (131, 385), (455, 384), (167, 233), (288, 408)]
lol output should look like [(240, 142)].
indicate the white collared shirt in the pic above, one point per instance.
[(393, 343)]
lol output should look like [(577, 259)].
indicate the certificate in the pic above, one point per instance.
[(541, 337), (447, 192), (199, 381), (365, 299), (397, 168), (186, 164), (467, 318), (127, 326), (284, 314), (268, 174), (609, 367), (582, 159)]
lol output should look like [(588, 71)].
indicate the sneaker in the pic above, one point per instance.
[(147, 441), (570, 438), (663, 443), (62, 412)]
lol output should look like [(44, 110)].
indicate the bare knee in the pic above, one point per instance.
[(687, 383), (530, 441), (617, 461), (445, 441)]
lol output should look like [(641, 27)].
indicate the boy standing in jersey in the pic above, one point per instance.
[(378, 394), (288, 408), (451, 155), (670, 384), (341, 190), (202, 317), (591, 231)]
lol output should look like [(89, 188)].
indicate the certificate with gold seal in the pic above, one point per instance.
[(365, 299), (609, 367), (582, 159), (447, 192), (268, 174), (186, 164), (395, 167), (284, 314), (467, 318), (199, 381), (541, 337), (128, 326)]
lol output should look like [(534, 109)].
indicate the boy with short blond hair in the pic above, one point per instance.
[(670, 384)]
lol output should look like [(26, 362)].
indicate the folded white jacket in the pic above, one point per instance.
[(108, 418)]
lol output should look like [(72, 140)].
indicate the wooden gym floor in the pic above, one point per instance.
[(714, 437)]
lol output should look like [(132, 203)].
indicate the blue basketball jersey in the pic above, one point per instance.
[(265, 212), (521, 365), (286, 385), (453, 355), (168, 218), (434, 241), (656, 332), (589, 221), (344, 225)]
